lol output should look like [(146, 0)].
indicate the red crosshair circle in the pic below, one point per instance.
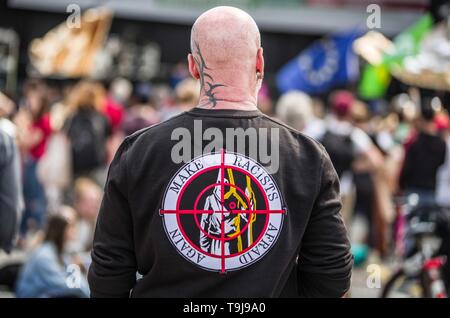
[(222, 212), (231, 210)]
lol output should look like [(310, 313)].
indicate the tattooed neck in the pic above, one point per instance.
[(206, 80)]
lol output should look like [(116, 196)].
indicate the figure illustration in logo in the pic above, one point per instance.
[(228, 222)]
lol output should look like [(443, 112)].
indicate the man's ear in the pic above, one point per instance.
[(260, 62), (193, 67)]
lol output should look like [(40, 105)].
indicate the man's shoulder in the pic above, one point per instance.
[(160, 134), (159, 130)]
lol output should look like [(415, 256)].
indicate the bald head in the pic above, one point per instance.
[(225, 35), (226, 51)]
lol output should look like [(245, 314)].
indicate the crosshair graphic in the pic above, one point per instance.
[(219, 220)]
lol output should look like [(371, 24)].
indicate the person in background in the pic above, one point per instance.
[(343, 141), (44, 273), (88, 131), (295, 108), (141, 113), (349, 146), (87, 200), (11, 198), (406, 111), (186, 97), (114, 100), (187, 94), (178, 73), (34, 130), (443, 175), (265, 103), (7, 107), (111, 103), (370, 198), (423, 157), (163, 98)]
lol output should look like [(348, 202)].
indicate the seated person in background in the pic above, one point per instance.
[(45, 274)]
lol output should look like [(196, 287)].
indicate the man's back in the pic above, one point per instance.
[(201, 221)]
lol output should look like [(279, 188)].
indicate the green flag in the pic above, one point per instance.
[(408, 42), (375, 79)]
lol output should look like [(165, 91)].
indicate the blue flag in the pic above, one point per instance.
[(323, 65)]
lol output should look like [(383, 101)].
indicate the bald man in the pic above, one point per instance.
[(221, 200)]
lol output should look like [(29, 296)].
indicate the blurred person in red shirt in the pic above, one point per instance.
[(33, 132), (114, 100)]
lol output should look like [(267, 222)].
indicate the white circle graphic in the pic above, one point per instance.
[(222, 211)]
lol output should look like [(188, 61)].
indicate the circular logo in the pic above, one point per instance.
[(222, 211)]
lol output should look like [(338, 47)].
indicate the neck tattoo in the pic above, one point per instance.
[(206, 80)]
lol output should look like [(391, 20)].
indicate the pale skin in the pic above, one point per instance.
[(227, 58)]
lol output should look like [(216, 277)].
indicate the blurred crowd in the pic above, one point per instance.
[(56, 142), (380, 156)]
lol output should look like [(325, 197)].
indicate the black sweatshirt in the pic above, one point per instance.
[(221, 224)]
